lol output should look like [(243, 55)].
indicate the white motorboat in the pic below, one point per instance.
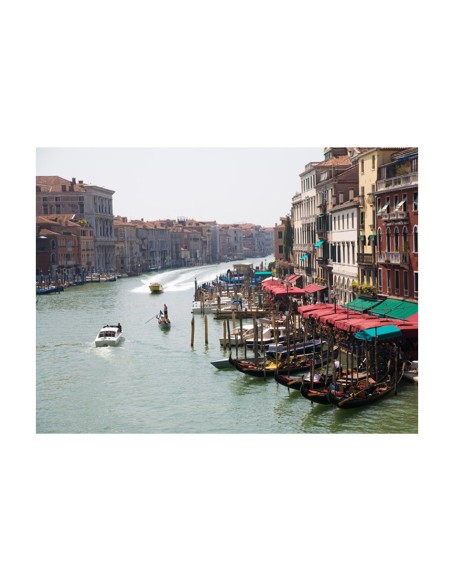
[(411, 371), (210, 306), (235, 335), (109, 335)]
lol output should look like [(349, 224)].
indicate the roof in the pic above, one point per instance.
[(54, 184), (340, 161)]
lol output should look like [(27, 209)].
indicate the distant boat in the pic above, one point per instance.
[(51, 289), (156, 288)]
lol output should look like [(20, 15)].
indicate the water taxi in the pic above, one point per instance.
[(109, 335), (156, 288)]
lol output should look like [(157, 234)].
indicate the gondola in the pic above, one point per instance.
[(164, 323), (364, 392), (267, 367), (360, 395)]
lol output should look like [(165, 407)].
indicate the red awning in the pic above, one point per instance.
[(290, 291), (310, 310), (313, 288), (294, 278), (413, 318)]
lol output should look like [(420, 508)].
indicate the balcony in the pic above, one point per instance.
[(394, 258), (398, 182), (393, 216), (365, 259)]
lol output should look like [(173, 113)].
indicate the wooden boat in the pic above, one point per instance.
[(362, 394), (164, 322), (267, 367), (156, 288), (315, 390), (365, 391)]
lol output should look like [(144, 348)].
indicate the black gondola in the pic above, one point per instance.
[(267, 367)]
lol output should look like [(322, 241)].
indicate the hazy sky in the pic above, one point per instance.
[(223, 184)]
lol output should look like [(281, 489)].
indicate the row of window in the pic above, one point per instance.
[(398, 282), (396, 203), (397, 238)]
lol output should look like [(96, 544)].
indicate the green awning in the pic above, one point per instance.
[(363, 236), (319, 243), (372, 236), (396, 308), (304, 257), (381, 333), (263, 273), (362, 304)]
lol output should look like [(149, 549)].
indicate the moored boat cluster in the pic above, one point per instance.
[(346, 355)]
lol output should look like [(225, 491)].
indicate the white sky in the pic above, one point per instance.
[(224, 184)]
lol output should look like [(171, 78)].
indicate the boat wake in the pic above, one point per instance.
[(184, 279)]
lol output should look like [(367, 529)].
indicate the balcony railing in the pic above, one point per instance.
[(403, 181), (394, 258), (396, 215), (365, 259)]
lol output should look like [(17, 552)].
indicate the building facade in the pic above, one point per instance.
[(397, 225), (55, 195)]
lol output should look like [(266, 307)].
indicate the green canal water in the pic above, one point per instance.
[(154, 382)]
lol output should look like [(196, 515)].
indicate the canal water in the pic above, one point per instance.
[(155, 382)]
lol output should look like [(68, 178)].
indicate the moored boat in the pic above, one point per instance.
[(411, 371), (362, 394), (267, 367)]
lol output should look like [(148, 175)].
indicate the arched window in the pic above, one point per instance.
[(405, 239), (415, 239), (379, 239), (396, 239), (388, 239)]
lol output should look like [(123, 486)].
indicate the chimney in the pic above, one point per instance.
[(74, 180), (81, 181)]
